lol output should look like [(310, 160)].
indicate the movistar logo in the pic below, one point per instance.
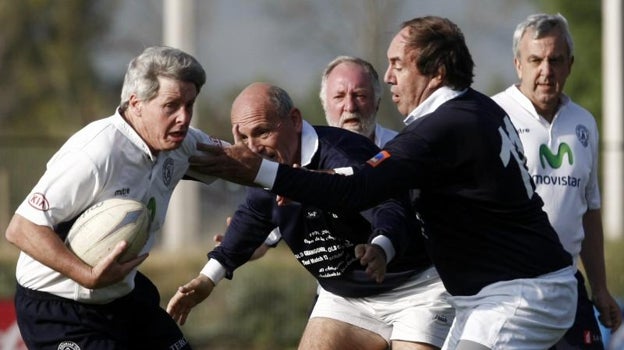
[(555, 160)]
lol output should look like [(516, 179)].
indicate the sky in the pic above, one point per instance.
[(289, 41)]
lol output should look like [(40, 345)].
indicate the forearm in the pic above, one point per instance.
[(45, 246), (592, 251)]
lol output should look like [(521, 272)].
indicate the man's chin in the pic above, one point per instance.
[(355, 127)]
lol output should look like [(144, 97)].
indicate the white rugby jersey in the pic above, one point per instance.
[(105, 159), (562, 158)]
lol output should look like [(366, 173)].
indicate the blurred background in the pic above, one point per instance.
[(62, 65)]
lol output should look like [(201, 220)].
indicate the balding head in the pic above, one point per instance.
[(268, 122)]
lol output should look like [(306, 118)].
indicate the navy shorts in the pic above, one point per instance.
[(135, 321), (585, 332)]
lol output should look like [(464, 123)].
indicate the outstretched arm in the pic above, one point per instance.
[(189, 295)]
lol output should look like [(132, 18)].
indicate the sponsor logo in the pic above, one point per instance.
[(167, 171), (557, 180), (555, 160), (378, 158), (39, 201), (582, 134), (440, 318), (122, 192), (68, 345)]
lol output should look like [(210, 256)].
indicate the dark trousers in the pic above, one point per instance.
[(135, 321)]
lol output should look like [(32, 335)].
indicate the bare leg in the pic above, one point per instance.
[(328, 334), (406, 345)]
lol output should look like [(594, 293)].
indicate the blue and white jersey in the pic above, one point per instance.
[(562, 158), (382, 136), (323, 241), (463, 161), (106, 159)]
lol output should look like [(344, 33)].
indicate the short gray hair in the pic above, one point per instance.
[(159, 61), (368, 68), (543, 24)]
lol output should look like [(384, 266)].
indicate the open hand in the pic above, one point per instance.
[(373, 257)]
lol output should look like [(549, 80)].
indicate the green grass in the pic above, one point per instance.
[(265, 306)]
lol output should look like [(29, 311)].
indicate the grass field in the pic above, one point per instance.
[(264, 307)]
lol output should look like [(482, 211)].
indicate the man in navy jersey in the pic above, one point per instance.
[(358, 306), (350, 94), (511, 281)]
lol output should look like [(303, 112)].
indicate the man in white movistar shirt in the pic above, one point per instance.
[(560, 141)]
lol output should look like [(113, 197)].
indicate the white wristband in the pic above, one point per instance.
[(213, 270)]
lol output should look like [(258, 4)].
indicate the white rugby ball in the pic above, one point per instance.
[(99, 228)]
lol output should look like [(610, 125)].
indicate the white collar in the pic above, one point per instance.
[(127, 129), (526, 103), (432, 102), (309, 143)]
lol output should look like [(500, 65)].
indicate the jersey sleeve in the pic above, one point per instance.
[(67, 187), (249, 228), (593, 190)]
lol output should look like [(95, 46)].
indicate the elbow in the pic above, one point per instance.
[(12, 232)]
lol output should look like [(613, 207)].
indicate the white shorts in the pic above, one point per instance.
[(532, 313), (416, 311)]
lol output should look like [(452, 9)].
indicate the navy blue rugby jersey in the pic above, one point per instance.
[(483, 221), (323, 241)]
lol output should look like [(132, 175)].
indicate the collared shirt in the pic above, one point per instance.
[(105, 159), (482, 220), (309, 148), (562, 157), (432, 103), (383, 135)]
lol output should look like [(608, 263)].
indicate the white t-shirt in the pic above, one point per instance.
[(562, 158), (105, 159)]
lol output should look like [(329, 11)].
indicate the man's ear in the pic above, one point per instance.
[(437, 80), (518, 65), (295, 117), (135, 105)]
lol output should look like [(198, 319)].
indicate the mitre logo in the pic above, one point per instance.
[(555, 160)]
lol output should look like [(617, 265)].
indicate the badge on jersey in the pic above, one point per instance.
[(378, 158), (39, 201)]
